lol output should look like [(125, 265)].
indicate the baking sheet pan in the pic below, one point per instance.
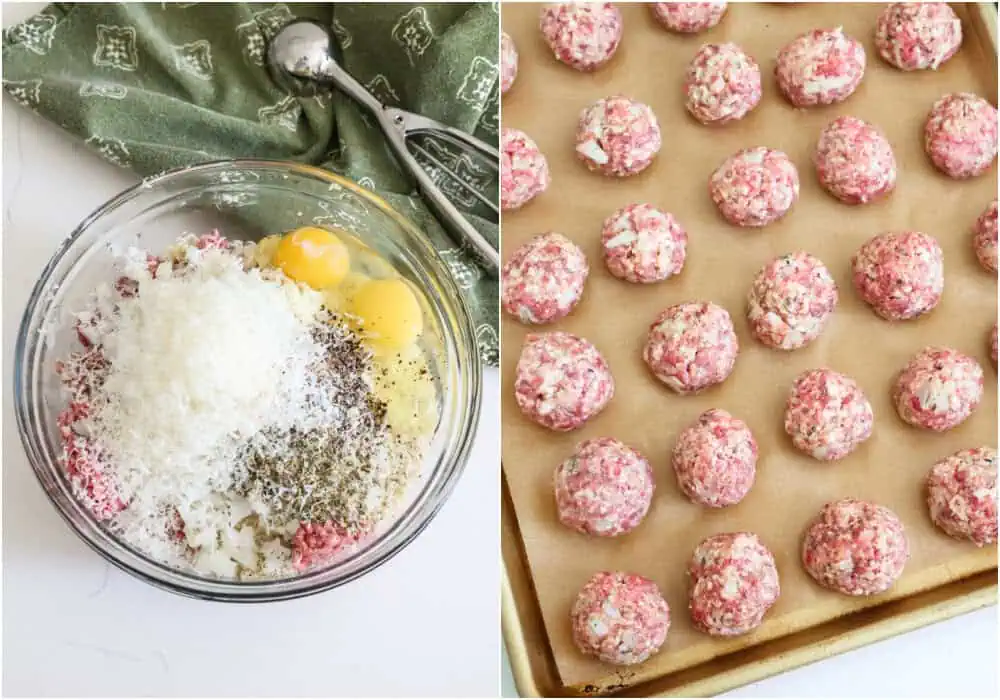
[(722, 260)]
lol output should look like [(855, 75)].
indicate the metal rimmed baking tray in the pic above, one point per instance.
[(544, 564)]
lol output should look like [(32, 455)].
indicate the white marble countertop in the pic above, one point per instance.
[(425, 623)]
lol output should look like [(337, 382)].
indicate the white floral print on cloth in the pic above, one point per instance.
[(337, 219), (111, 91), (285, 114), (111, 149), (194, 58), (26, 93), (414, 33), (367, 183), (380, 87), (35, 33), (472, 174), (116, 48), (465, 272), (343, 37), (478, 82), (490, 121), (489, 344), (226, 201), (257, 31), (229, 176), (460, 166)]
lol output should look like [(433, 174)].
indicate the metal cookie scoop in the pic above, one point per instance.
[(301, 59)]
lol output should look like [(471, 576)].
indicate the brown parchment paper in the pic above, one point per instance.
[(722, 260)]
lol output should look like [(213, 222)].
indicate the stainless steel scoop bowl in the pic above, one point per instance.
[(302, 59)]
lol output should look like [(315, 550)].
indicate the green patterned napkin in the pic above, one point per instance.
[(154, 86)]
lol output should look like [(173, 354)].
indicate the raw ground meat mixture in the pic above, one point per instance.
[(900, 275), (820, 67), (722, 84), (715, 459), (855, 547), (962, 495), (984, 238), (524, 171), (994, 345), (755, 187), (643, 244), (733, 583), (854, 161), (583, 35), (604, 488), (827, 415), (691, 346), (938, 389), (561, 380), (791, 301), (508, 62), (543, 279), (917, 35), (688, 17), (315, 543), (960, 135), (617, 136), (620, 618)]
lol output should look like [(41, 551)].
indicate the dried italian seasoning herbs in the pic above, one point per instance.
[(341, 472)]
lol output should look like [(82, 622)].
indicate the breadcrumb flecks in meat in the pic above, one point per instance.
[(604, 488), (620, 618), (561, 380)]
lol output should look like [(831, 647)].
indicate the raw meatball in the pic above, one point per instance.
[(583, 35), (691, 346), (524, 171), (605, 488), (508, 62), (938, 389), (755, 187), (917, 35), (722, 84), (994, 345), (643, 244), (791, 301), (820, 67), (733, 583), (961, 135), (855, 547), (543, 279), (620, 618), (962, 495), (900, 275), (827, 415), (984, 238), (854, 161), (617, 136), (715, 459), (561, 380), (688, 17)]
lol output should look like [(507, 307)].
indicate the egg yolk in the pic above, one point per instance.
[(389, 312), (313, 256)]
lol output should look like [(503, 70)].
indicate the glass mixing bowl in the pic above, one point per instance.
[(245, 199)]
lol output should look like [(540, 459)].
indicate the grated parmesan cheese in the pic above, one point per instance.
[(200, 361)]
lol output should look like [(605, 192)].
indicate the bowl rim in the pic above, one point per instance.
[(190, 585)]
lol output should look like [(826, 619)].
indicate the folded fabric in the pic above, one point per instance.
[(154, 86)]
